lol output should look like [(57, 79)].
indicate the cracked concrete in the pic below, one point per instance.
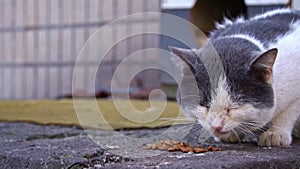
[(25, 145)]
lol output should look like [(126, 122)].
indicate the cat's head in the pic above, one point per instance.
[(227, 90)]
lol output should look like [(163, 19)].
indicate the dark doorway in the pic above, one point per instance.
[(205, 14)]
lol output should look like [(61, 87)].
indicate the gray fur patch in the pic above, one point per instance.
[(266, 29)]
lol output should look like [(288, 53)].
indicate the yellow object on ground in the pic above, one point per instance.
[(98, 114)]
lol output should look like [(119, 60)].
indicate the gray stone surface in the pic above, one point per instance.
[(25, 145)]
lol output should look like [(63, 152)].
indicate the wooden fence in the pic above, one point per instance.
[(40, 40)]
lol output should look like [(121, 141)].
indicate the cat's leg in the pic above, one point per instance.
[(296, 130), (280, 132)]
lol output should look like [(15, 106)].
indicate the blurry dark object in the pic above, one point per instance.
[(140, 94), (289, 4), (206, 13), (82, 94)]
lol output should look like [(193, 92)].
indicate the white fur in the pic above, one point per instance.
[(286, 70), (286, 80), (219, 104), (221, 98), (225, 23), (228, 22), (271, 13), (248, 38)]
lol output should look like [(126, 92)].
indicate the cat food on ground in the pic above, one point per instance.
[(171, 146)]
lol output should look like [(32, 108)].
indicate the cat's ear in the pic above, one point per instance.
[(262, 66), (186, 55)]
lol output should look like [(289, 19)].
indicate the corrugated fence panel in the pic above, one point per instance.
[(41, 39)]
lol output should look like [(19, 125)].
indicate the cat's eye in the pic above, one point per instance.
[(233, 107), (205, 105), (230, 108)]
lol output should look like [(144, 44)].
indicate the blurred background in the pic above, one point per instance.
[(41, 39)]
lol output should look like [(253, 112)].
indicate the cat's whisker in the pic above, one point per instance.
[(253, 122), (194, 106), (232, 124), (190, 105), (194, 99), (240, 128), (190, 95), (245, 130), (260, 129), (277, 127), (163, 122), (255, 126), (185, 129), (236, 134), (204, 135), (193, 85), (178, 119), (182, 129)]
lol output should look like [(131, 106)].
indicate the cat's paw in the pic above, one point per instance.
[(232, 138), (275, 138)]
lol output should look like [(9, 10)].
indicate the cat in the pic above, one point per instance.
[(246, 77)]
